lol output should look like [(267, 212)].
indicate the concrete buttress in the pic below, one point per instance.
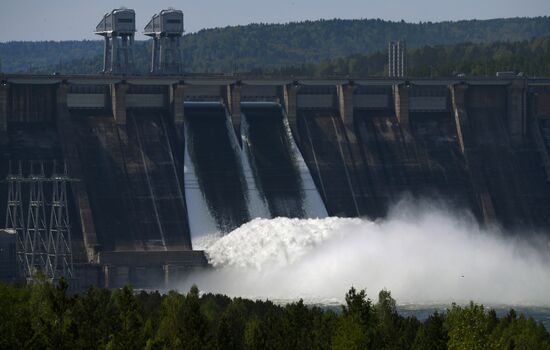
[(473, 159), (234, 106), (118, 95), (290, 97), (516, 109), (176, 101), (401, 99), (80, 195), (345, 103)]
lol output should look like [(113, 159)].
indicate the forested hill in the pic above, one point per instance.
[(244, 48), (530, 57)]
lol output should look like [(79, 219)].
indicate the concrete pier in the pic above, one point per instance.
[(234, 107), (61, 100), (81, 200), (517, 111), (177, 93), (290, 98), (401, 99), (473, 159), (345, 103), (118, 94)]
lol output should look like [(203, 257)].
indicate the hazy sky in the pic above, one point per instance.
[(71, 19)]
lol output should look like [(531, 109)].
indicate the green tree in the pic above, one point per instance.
[(231, 327), (298, 326), (252, 337), (182, 325), (357, 304), (266, 333), (94, 314), (324, 326), (513, 332), (129, 333), (392, 330), (15, 329), (468, 327), (356, 326), (170, 332), (52, 316), (350, 334), (431, 335)]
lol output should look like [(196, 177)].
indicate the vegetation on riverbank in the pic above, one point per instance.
[(46, 316)]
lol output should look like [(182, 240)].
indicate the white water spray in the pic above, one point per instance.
[(421, 252), (202, 223)]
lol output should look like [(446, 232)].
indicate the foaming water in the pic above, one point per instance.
[(421, 252)]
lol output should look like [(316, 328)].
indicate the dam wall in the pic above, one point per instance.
[(331, 156), (161, 164)]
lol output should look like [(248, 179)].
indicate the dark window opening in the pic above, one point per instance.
[(125, 20), (174, 21)]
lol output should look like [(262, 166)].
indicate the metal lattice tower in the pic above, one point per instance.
[(41, 245), (60, 258), (166, 29), (36, 219), (397, 59), (15, 221), (118, 27)]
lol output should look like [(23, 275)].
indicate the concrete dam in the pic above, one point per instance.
[(113, 179)]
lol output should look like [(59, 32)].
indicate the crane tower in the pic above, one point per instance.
[(118, 27), (166, 29)]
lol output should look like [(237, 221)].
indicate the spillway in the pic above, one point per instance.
[(281, 174), (215, 170), (327, 153), (257, 203)]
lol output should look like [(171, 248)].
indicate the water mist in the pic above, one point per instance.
[(423, 252)]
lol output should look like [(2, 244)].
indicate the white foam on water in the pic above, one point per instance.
[(202, 223), (423, 253)]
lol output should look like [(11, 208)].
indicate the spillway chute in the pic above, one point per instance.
[(279, 169)]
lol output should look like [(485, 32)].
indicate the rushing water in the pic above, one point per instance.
[(202, 223), (422, 253)]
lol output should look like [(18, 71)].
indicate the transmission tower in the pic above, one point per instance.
[(36, 218), (42, 246), (15, 221), (60, 258)]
